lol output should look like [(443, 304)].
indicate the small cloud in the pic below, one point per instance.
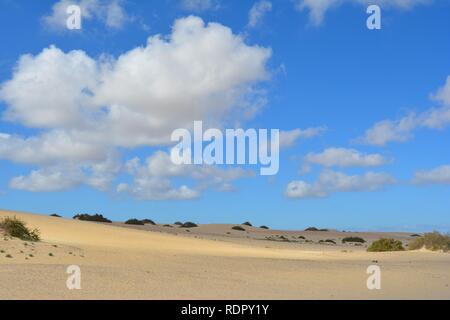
[(289, 138), (330, 182), (439, 175), (110, 13), (257, 12), (402, 130), (317, 9), (342, 157)]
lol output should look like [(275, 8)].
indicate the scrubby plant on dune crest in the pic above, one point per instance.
[(384, 245), (17, 228), (135, 222), (434, 241)]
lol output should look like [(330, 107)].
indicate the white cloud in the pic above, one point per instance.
[(47, 181), (401, 130), (199, 5), (439, 175), (330, 182), (342, 157), (443, 94), (258, 11), (289, 138), (151, 181), (152, 188), (100, 105), (110, 13), (49, 149), (318, 8)]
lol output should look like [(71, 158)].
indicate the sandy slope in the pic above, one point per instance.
[(126, 263)]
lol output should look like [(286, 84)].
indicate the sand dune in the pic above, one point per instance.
[(207, 263)]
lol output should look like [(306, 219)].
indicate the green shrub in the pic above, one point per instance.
[(383, 245), (134, 222), (264, 227), (432, 241), (238, 228), (14, 227), (302, 237), (188, 225), (89, 217), (248, 224), (353, 239)]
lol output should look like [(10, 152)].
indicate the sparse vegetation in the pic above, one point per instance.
[(415, 235), (167, 226), (135, 222), (50, 254), (315, 229), (434, 241), (188, 225), (353, 239), (248, 224), (327, 241), (55, 215), (148, 221), (238, 228), (8, 256), (264, 227), (178, 223), (16, 228), (383, 245), (94, 218), (302, 237)]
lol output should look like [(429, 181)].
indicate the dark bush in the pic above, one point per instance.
[(188, 225), (167, 226), (315, 229), (238, 228), (302, 237), (248, 224), (353, 239), (178, 223), (55, 215), (415, 235), (89, 217), (148, 221), (383, 245), (16, 228), (264, 227), (135, 222), (327, 241)]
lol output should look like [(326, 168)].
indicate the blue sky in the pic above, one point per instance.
[(365, 114)]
